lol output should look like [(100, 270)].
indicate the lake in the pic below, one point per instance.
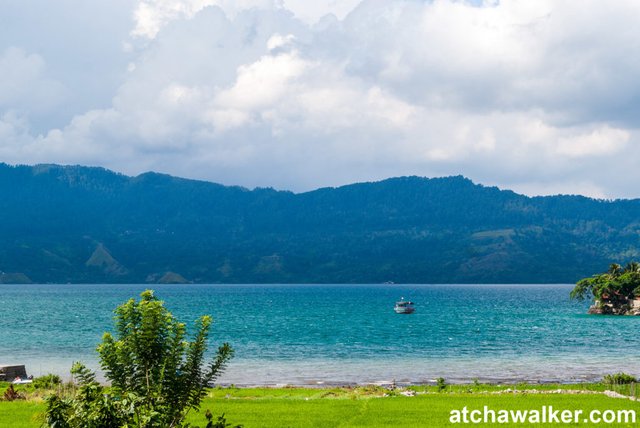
[(325, 334)]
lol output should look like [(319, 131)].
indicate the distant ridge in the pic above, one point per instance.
[(85, 224)]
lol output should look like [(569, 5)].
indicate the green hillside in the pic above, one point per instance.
[(80, 224)]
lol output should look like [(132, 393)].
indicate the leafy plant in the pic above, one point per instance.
[(220, 422), (11, 394), (47, 381), (617, 287), (619, 379), (156, 375), (441, 384), (58, 412)]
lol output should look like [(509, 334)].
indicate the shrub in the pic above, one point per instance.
[(221, 422), (619, 379), (47, 381), (156, 375), (11, 394), (441, 384)]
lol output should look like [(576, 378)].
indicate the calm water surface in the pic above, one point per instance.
[(310, 334)]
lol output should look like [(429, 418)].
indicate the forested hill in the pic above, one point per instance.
[(80, 224)]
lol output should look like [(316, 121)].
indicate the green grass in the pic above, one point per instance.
[(365, 407), (359, 407), (21, 414)]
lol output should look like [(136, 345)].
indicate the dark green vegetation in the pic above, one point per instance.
[(619, 379), (366, 406), (156, 375), (49, 381), (616, 291), (78, 224)]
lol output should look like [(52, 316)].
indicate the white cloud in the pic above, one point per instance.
[(24, 85), (76, 49), (601, 141), (263, 83), (151, 15), (540, 96), (312, 11)]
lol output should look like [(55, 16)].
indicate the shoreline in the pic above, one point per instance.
[(392, 383), (406, 372)]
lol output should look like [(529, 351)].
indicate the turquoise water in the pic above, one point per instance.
[(314, 334)]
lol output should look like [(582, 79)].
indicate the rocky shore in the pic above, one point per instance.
[(632, 307)]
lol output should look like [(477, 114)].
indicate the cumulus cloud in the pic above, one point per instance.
[(152, 15), (24, 85), (78, 46), (537, 96)]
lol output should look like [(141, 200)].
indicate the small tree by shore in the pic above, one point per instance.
[(613, 291), (156, 375)]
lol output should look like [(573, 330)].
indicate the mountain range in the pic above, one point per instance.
[(81, 224)]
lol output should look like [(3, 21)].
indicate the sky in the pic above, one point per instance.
[(542, 97)]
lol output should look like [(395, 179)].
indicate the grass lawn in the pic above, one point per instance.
[(361, 407), (21, 414)]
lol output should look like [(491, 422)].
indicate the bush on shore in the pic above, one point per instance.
[(619, 379), (48, 381), (157, 376)]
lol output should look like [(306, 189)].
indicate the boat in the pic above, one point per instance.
[(404, 307)]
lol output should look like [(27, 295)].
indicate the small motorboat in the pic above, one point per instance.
[(404, 307)]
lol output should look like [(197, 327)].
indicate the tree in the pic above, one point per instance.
[(613, 290), (156, 375)]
